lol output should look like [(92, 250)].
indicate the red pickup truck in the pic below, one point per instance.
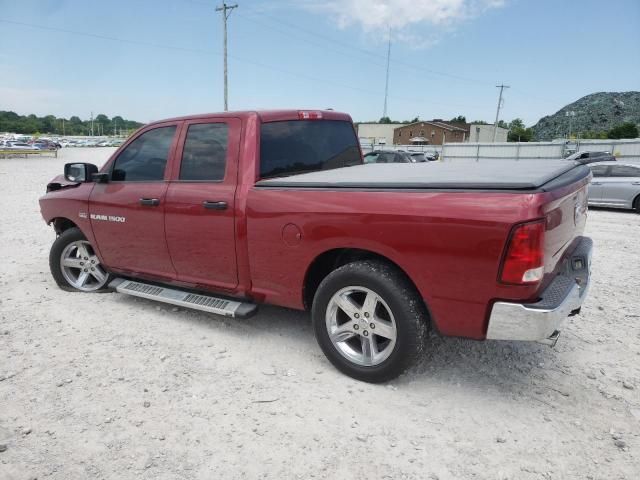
[(225, 211)]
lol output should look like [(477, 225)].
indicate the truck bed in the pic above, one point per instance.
[(530, 175)]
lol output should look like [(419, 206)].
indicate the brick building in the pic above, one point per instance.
[(434, 132)]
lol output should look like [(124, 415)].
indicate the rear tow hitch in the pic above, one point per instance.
[(551, 340)]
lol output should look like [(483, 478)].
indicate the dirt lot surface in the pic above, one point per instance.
[(108, 386)]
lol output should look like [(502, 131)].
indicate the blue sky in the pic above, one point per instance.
[(150, 59)]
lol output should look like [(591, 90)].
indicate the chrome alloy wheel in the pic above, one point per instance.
[(81, 268), (361, 326)]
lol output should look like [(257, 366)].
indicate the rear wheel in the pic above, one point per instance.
[(636, 204), (369, 321), (75, 265)]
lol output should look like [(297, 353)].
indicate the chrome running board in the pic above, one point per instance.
[(196, 301)]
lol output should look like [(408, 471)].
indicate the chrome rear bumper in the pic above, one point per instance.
[(541, 321)]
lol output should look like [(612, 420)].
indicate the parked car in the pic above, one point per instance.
[(615, 185), (226, 211), (418, 157), (585, 158), (432, 156), (46, 145), (9, 145), (387, 156)]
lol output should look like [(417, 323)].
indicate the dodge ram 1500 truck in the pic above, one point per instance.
[(223, 212)]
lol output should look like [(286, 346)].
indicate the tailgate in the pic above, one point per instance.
[(566, 217)]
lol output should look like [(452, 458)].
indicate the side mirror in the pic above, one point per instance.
[(79, 172), (100, 177)]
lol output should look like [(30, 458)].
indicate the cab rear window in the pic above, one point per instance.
[(301, 146)]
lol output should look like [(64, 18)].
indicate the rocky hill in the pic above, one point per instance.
[(597, 112)]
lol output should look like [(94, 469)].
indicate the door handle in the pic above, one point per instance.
[(635, 183), (150, 202), (211, 205), (596, 183)]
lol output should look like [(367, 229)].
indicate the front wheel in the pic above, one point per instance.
[(75, 265), (369, 321)]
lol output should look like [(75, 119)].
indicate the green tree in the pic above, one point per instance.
[(459, 119), (518, 132), (624, 130), (31, 124), (49, 124), (385, 120)]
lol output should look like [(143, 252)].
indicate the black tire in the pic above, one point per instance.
[(404, 302), (636, 204), (66, 238)]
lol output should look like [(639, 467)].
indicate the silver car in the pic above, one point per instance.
[(615, 185)]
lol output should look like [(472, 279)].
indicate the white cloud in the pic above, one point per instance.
[(398, 14)]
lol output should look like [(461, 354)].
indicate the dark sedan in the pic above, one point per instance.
[(387, 156), (591, 157)]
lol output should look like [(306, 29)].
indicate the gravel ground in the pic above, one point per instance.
[(109, 386)]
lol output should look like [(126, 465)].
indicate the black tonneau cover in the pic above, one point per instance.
[(457, 175)]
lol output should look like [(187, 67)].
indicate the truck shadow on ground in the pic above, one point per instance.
[(447, 361)]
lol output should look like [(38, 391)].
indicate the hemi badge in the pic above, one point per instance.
[(82, 214)]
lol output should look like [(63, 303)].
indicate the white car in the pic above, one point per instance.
[(9, 145), (615, 185)]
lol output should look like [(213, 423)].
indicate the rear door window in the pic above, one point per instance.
[(625, 171), (386, 157), (300, 146), (145, 159), (371, 157), (204, 156), (600, 170)]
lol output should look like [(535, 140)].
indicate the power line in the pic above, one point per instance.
[(373, 54), (106, 37), (324, 46), (207, 53), (349, 46), (225, 16)]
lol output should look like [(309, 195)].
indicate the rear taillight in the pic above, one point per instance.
[(524, 259), (309, 115)]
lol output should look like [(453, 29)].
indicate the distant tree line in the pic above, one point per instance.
[(624, 130), (50, 124)]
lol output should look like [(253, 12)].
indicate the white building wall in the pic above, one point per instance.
[(378, 133), (484, 134)]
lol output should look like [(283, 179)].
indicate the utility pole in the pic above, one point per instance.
[(224, 8), (92, 124), (570, 114), (495, 125), (386, 85)]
